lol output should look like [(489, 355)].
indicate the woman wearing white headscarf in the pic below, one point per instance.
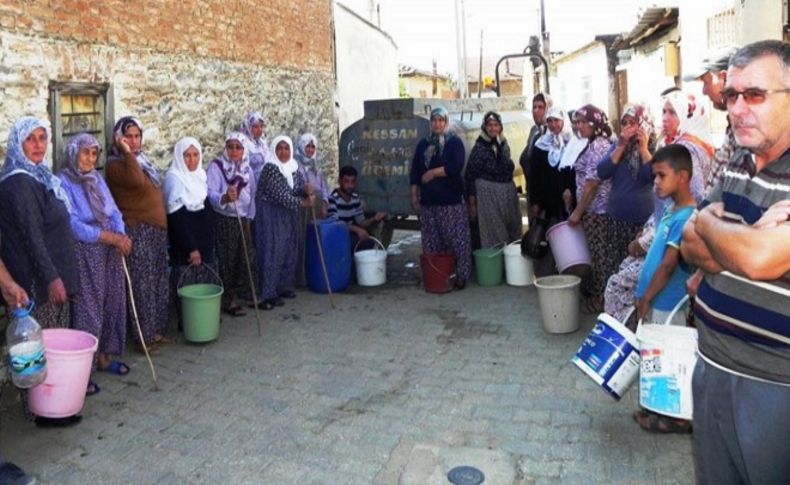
[(190, 220), (136, 186), (685, 122), (552, 180), (37, 243), (231, 190), (281, 192), (307, 158)]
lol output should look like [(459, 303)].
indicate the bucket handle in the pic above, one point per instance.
[(191, 265), (371, 237), (500, 251), (450, 278), (677, 309)]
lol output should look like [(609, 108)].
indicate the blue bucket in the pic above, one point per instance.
[(610, 356)]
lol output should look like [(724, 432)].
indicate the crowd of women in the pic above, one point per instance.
[(74, 239), (587, 175)]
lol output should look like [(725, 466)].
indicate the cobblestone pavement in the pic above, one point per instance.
[(393, 386)]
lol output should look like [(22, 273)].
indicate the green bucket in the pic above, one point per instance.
[(489, 266), (200, 309)]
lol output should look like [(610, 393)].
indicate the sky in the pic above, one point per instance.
[(425, 29)]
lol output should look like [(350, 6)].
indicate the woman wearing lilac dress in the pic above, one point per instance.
[(281, 192), (309, 166), (100, 306), (231, 191)]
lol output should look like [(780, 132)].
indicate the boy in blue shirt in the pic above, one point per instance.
[(662, 282)]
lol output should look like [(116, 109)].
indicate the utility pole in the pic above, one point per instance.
[(480, 70), (460, 42)]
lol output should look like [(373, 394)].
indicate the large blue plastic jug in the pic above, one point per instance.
[(336, 243)]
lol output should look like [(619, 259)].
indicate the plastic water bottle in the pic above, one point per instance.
[(26, 349)]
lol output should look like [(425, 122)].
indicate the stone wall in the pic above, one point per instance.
[(177, 86)]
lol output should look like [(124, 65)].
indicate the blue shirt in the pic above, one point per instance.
[(84, 225), (668, 233), (631, 197)]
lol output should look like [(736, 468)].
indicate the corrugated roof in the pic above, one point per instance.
[(654, 20)]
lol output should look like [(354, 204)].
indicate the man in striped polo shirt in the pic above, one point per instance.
[(345, 205), (741, 240)]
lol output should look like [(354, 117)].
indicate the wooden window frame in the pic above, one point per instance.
[(58, 89)]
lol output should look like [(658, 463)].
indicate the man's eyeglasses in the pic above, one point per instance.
[(751, 96)]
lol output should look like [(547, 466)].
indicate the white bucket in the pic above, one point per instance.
[(669, 354), (558, 296), (518, 269), (569, 248), (371, 265)]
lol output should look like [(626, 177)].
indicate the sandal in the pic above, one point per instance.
[(656, 423), (235, 311), (266, 305), (92, 389), (288, 294), (162, 340), (116, 367)]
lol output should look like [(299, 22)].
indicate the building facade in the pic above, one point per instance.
[(184, 68)]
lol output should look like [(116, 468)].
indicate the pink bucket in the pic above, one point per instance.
[(69, 360), (569, 247)]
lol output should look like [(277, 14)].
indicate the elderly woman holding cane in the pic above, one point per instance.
[(100, 306), (136, 186), (231, 191), (281, 193)]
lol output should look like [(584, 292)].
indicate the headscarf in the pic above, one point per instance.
[(16, 161), (551, 143), (499, 145), (185, 188), (435, 141), (90, 181), (258, 149), (288, 168), (596, 118), (301, 156), (694, 123), (235, 174), (644, 121), (121, 126)]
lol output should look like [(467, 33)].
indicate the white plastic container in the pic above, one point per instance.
[(558, 296), (518, 269), (371, 265)]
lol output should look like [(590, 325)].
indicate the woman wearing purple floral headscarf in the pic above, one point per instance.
[(592, 195), (100, 306), (254, 128)]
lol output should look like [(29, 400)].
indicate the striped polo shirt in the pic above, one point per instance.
[(344, 210), (744, 325)]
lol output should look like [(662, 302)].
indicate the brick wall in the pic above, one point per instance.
[(181, 77), (282, 33)]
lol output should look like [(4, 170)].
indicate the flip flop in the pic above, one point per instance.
[(235, 311), (92, 389), (116, 367)]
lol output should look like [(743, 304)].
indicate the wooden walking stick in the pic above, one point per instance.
[(137, 322), (249, 268), (321, 257)]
